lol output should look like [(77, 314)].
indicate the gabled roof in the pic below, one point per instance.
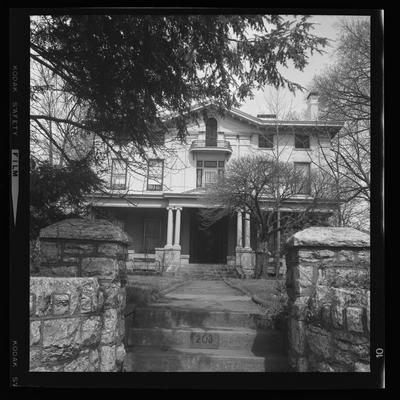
[(331, 126)]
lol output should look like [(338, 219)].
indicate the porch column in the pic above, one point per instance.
[(247, 230), (177, 226), (239, 241), (170, 226)]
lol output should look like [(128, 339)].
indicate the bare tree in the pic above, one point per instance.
[(344, 93), (278, 198)]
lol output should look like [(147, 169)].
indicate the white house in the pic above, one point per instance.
[(158, 206)]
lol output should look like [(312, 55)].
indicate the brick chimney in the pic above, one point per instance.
[(312, 106)]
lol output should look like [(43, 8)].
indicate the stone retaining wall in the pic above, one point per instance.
[(78, 302), (328, 283)]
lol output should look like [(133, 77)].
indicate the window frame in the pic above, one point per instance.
[(125, 174), (159, 187), (307, 135), (264, 136), (308, 192)]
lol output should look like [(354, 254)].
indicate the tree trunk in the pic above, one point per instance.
[(262, 255), (278, 246)]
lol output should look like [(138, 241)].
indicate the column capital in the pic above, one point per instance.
[(178, 208), (170, 208)]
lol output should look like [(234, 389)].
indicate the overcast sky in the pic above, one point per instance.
[(325, 26)]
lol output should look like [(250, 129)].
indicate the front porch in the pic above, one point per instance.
[(169, 238)]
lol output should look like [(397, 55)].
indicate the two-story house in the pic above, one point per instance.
[(159, 206)]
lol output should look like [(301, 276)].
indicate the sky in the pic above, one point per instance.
[(325, 26)]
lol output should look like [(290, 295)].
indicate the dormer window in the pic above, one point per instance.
[(301, 141)]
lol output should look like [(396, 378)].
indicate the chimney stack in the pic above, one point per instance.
[(312, 110), (266, 116)]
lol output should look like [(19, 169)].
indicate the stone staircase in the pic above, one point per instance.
[(204, 272), (175, 336)]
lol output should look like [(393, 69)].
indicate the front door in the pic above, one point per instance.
[(208, 246)]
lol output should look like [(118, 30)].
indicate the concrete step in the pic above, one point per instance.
[(158, 359), (258, 342), (165, 317)]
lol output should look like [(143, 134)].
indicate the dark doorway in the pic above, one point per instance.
[(208, 246)]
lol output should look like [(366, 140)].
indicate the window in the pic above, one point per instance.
[(208, 172), (303, 186), (118, 174), (266, 140), (155, 175), (211, 132), (301, 141)]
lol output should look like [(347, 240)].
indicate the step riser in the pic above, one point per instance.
[(259, 343), (173, 318), (200, 363)]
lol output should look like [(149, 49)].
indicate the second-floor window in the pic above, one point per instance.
[(155, 174), (266, 140), (118, 174), (208, 172), (301, 141), (303, 184)]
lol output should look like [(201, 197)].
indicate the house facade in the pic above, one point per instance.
[(158, 205)]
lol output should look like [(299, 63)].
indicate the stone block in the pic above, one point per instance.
[(60, 303), (299, 309), (302, 364), (319, 341), (363, 259), (44, 288), (120, 354), (78, 249), (91, 330), (297, 335), (107, 359), (79, 364), (111, 292), (361, 367), (343, 358), (100, 266), (110, 332), (354, 319), (350, 337), (43, 304), (307, 276), (85, 229), (114, 250), (35, 333), (315, 256), (344, 277), (60, 271), (94, 360), (329, 237), (61, 333), (49, 252), (337, 313), (69, 259), (359, 350), (172, 258), (35, 357), (31, 304)]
